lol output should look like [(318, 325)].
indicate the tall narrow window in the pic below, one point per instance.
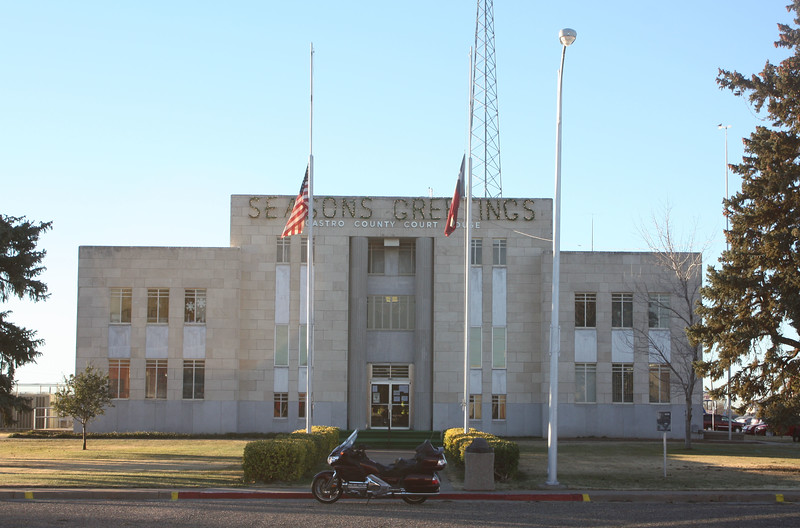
[(303, 251), (659, 383), (585, 382), (281, 405), (155, 379), (585, 310), (475, 346), (407, 260), (119, 378), (194, 379), (302, 359), (499, 347), (475, 402), (658, 310), (622, 382), (157, 305), (301, 405), (622, 310), (281, 345), (195, 307), (284, 247), (499, 252), (498, 406), (476, 252), (120, 305), (376, 257)]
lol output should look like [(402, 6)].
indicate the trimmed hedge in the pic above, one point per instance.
[(506, 453), (289, 456)]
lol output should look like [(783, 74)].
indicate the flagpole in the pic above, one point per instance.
[(310, 257), (467, 246)]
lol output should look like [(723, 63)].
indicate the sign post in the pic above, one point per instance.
[(664, 423)]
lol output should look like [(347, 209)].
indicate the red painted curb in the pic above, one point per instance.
[(244, 495), (529, 497)]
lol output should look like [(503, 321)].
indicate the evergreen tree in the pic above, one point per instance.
[(752, 311), (84, 397), (20, 265)]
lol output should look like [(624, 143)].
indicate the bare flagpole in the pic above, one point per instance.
[(310, 257), (467, 243)]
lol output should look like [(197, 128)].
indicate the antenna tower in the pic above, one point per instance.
[(485, 116)]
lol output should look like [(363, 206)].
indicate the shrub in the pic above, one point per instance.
[(288, 456), (506, 453)]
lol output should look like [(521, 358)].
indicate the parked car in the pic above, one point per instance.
[(719, 422)]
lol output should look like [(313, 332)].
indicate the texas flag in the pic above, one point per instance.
[(452, 215)]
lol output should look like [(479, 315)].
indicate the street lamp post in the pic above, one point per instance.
[(728, 402), (566, 36)]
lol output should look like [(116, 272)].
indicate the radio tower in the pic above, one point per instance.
[(485, 116)]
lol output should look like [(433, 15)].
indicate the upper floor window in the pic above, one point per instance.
[(284, 247), (622, 310), (585, 310), (476, 252), (499, 252), (407, 261), (390, 312), (658, 310), (376, 257), (195, 306), (303, 251), (157, 305), (120, 305)]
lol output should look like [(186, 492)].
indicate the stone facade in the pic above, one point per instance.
[(224, 351)]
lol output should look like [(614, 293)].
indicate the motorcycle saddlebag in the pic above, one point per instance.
[(419, 483)]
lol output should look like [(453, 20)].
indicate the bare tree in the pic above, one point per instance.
[(675, 300)]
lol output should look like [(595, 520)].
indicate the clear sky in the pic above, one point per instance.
[(131, 124)]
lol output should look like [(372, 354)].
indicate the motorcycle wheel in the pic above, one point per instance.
[(414, 499), (326, 489)]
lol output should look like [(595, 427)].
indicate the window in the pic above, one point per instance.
[(195, 307), (376, 257), (475, 346), (281, 405), (390, 312), (302, 359), (155, 379), (475, 401), (281, 345), (194, 379), (622, 310), (585, 382), (301, 405), (659, 383), (120, 308), (119, 378), (284, 247), (585, 310), (658, 310), (407, 260), (303, 251), (499, 252), (622, 382), (498, 406), (476, 252), (499, 347), (157, 305)]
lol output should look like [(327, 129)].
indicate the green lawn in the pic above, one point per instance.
[(582, 464)]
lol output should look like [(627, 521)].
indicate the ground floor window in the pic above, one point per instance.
[(155, 379), (585, 382), (301, 405), (119, 378), (498, 406), (281, 406), (659, 383), (194, 379), (475, 403), (622, 382)]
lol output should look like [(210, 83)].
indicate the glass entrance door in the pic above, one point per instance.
[(390, 405)]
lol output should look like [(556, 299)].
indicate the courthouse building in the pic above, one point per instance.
[(213, 340)]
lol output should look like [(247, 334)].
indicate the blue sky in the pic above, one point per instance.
[(131, 124)]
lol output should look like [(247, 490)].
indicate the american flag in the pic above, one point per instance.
[(297, 220)]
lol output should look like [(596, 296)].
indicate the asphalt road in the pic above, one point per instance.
[(389, 513)]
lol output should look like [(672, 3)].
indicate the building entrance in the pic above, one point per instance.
[(390, 397)]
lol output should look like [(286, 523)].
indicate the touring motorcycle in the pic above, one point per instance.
[(355, 474)]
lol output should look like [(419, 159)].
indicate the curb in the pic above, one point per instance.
[(227, 494)]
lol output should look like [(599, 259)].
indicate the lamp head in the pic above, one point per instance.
[(567, 36)]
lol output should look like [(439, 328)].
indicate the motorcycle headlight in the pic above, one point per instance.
[(442, 463), (333, 458)]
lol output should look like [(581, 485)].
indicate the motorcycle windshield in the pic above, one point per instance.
[(347, 444)]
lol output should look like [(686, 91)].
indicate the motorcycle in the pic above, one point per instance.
[(355, 474)]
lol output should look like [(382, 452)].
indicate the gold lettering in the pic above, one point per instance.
[(404, 213), (349, 206), (254, 208), (490, 209), (532, 215), (326, 212), (515, 215), (418, 204), (366, 208), (435, 209)]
